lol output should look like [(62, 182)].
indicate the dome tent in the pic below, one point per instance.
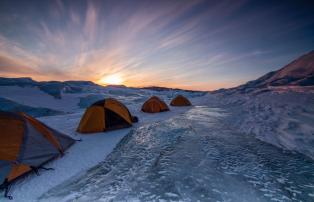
[(104, 115), (26, 145), (180, 100), (154, 105)]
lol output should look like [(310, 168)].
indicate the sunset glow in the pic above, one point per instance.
[(111, 80), (194, 44)]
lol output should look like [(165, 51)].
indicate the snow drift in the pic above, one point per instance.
[(278, 107)]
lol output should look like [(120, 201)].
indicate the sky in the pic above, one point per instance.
[(198, 45)]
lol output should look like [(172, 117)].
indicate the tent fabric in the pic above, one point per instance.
[(119, 109), (180, 100), (35, 143), (104, 115), (10, 144), (154, 105), (44, 131), (5, 168), (18, 170), (93, 120), (26, 143)]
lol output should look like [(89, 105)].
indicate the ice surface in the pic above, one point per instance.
[(204, 154), (195, 156), (282, 118), (9, 105), (82, 155), (34, 97)]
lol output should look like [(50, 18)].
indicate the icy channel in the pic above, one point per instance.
[(192, 157)]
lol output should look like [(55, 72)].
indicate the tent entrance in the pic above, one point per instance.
[(114, 121)]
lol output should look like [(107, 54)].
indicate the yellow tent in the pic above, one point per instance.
[(180, 100), (104, 115), (26, 144), (154, 105)]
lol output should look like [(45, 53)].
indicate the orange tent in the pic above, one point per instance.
[(104, 115), (154, 105), (25, 145), (180, 100)]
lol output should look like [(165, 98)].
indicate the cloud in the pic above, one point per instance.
[(75, 18), (90, 20), (15, 52), (127, 43), (8, 65), (176, 43)]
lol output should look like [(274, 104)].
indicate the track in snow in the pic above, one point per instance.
[(194, 156)]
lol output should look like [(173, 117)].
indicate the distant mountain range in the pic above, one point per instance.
[(158, 88), (298, 73), (54, 88)]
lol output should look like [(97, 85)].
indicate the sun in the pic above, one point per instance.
[(113, 79)]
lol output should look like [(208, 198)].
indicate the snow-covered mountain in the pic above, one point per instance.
[(295, 75), (277, 108), (53, 88), (56, 97)]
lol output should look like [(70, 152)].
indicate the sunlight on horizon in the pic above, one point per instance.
[(180, 44), (113, 79)]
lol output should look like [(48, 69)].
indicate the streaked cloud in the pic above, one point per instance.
[(192, 44)]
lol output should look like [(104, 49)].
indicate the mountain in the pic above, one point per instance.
[(9, 105), (116, 86), (298, 73), (159, 88), (22, 82), (53, 88)]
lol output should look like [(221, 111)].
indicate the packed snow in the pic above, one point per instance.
[(282, 117), (93, 148), (214, 150), (194, 156), (34, 97)]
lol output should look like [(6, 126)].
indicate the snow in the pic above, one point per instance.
[(9, 105), (281, 117), (81, 156), (193, 156), (93, 148), (232, 163), (34, 97)]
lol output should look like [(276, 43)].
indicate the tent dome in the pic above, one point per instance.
[(104, 115), (27, 144), (154, 105), (180, 100)]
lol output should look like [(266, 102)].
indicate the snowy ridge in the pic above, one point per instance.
[(277, 108), (298, 73), (71, 96), (9, 105), (282, 119)]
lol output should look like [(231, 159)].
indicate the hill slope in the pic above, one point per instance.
[(299, 73), (278, 107)]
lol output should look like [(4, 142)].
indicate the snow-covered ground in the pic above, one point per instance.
[(80, 157), (204, 152), (282, 117), (93, 148), (32, 96), (193, 156)]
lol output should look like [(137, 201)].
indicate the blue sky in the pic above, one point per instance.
[(187, 44)]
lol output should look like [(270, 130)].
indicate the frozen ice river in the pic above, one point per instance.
[(194, 156)]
